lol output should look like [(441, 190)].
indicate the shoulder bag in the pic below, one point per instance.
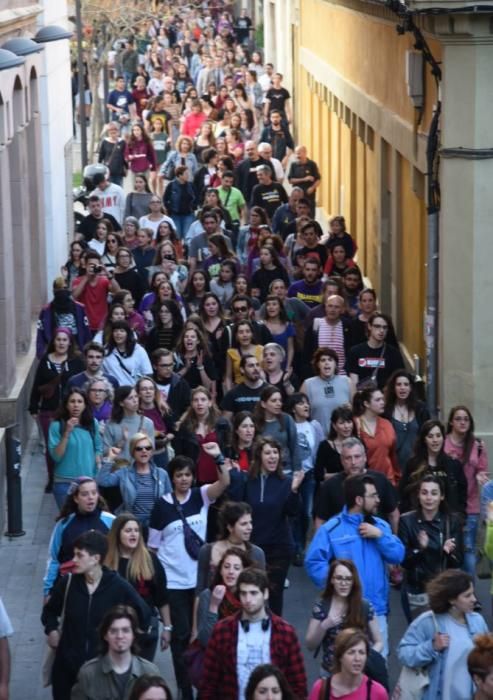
[(50, 653), (193, 542), (325, 689), (413, 682)]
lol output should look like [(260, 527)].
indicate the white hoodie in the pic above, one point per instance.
[(112, 200)]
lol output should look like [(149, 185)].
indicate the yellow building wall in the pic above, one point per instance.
[(412, 244), (372, 237), (356, 171), (367, 51)]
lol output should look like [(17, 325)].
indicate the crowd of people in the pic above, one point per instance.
[(222, 398)]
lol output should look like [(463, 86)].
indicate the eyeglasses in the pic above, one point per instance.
[(141, 448), (240, 309), (343, 579), (169, 257)]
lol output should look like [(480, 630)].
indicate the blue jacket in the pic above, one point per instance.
[(416, 648), (339, 538), (53, 565), (126, 479), (179, 199)]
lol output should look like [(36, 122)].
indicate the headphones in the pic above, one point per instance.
[(245, 624)]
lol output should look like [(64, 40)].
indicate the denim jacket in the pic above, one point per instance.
[(416, 648)]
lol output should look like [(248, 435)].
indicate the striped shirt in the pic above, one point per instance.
[(332, 336)]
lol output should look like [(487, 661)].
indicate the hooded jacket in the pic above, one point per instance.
[(84, 612), (339, 538), (57, 540), (272, 503)]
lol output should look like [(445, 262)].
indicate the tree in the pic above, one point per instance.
[(104, 23)]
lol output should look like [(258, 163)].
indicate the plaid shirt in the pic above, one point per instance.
[(219, 678)]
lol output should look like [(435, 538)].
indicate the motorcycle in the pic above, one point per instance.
[(80, 195)]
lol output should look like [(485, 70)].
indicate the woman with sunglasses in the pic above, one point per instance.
[(154, 407), (127, 275), (113, 242), (141, 484), (341, 605)]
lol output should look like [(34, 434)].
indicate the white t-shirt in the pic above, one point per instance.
[(306, 443), (253, 649), (166, 535), (145, 222)]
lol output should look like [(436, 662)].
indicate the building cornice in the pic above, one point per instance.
[(17, 18)]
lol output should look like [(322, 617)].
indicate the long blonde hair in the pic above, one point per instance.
[(140, 566)]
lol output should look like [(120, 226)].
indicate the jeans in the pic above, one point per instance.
[(129, 78), (60, 490), (470, 536), (182, 223), (384, 632), (301, 524), (181, 611)]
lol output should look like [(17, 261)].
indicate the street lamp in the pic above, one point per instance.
[(22, 46), (52, 32)]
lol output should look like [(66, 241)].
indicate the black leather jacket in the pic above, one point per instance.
[(423, 564)]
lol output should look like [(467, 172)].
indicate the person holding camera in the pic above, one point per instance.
[(91, 289)]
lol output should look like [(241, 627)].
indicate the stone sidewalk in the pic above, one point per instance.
[(22, 566)]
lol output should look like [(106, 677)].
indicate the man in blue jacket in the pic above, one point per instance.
[(366, 540)]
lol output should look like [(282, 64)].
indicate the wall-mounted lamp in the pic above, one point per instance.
[(9, 59), (52, 32)]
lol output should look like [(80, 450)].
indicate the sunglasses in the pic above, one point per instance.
[(141, 448), (240, 309), (169, 257)]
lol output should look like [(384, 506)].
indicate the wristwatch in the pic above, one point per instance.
[(167, 628)]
